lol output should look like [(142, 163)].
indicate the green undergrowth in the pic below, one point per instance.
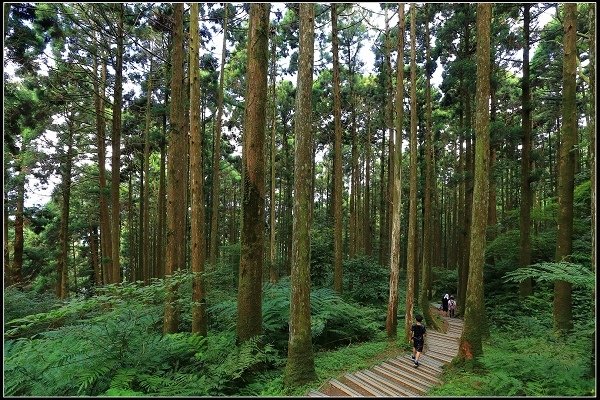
[(331, 364), (523, 357)]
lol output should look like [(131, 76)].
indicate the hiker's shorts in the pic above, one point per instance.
[(418, 343)]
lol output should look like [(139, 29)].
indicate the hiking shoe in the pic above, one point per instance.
[(413, 356), (416, 364)]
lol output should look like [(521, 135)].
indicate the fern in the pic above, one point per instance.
[(575, 274)]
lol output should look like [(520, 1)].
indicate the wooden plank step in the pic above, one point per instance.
[(344, 388), (314, 393), (397, 387), (426, 361), (442, 336), (441, 352), (433, 360), (406, 360), (418, 373), (365, 386), (444, 359), (441, 343), (402, 378), (382, 388)]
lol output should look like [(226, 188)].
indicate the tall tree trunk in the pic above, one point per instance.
[(131, 236), (176, 170), (337, 159), (93, 235), (63, 260), (411, 250), (525, 287), (116, 150), (273, 275), (216, 170), (562, 306), (367, 230), (592, 151), (427, 246), (391, 323), (105, 228), (162, 188), (475, 328), (249, 320), (199, 323), (146, 194), (16, 272), (300, 367), (389, 122)]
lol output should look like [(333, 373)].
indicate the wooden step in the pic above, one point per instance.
[(444, 359), (365, 386), (442, 345), (420, 373), (441, 352), (366, 377), (406, 360), (314, 393), (399, 389), (424, 361), (344, 388), (403, 378)]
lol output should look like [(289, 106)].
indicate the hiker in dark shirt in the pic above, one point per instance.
[(418, 337)]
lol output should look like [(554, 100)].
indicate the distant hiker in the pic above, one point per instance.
[(452, 306), (445, 304), (417, 332)]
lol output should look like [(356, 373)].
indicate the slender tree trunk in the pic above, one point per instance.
[(300, 367), (367, 230), (214, 217), (176, 185), (162, 204), (249, 320), (562, 310), (525, 287), (116, 150), (146, 193), (391, 323), (63, 261), (131, 236), (94, 255), (199, 323), (592, 151), (273, 275), (105, 228), (389, 125), (427, 246), (337, 159), (17, 264), (411, 250)]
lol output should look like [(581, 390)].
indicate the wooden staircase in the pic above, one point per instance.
[(398, 377)]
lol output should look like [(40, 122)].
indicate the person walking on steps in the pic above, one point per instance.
[(445, 304), (418, 338), (452, 307)]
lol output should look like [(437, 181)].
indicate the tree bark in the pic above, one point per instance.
[(562, 305), (411, 250), (62, 291), (216, 170), (337, 159), (249, 320), (475, 326), (116, 150), (176, 170), (273, 275), (427, 246), (525, 287), (199, 323), (300, 367), (391, 322)]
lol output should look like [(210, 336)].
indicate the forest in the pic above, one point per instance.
[(251, 199)]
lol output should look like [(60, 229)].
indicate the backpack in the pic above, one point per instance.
[(451, 304)]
